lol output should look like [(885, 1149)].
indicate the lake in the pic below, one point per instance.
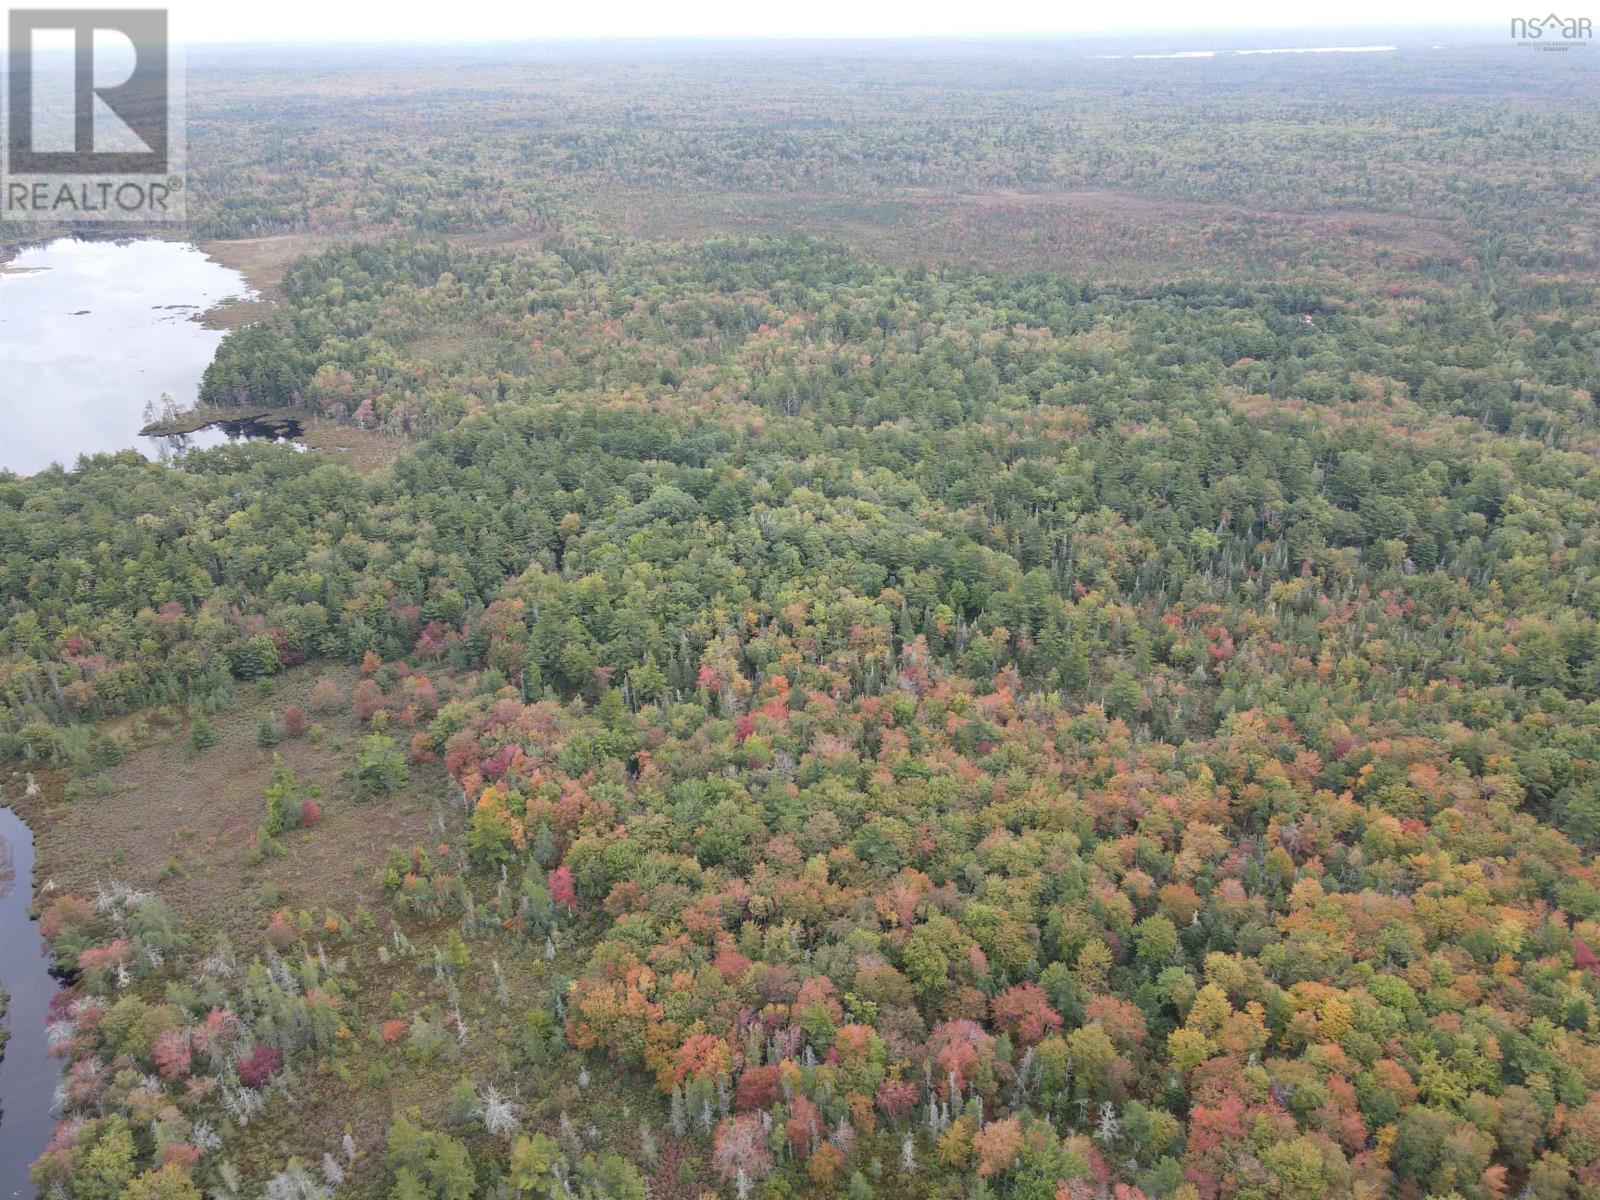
[(27, 1074), (93, 332)]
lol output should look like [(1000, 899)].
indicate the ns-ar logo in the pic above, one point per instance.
[(1569, 30)]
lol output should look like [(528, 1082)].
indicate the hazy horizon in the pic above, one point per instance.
[(485, 22)]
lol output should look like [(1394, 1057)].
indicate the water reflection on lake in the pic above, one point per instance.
[(93, 331)]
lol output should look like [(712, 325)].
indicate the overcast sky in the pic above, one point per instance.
[(199, 21)]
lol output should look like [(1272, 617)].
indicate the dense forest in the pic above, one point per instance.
[(947, 626)]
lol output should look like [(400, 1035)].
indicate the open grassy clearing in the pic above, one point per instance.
[(184, 821), (182, 824)]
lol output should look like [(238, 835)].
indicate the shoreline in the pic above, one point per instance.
[(261, 261), (260, 422)]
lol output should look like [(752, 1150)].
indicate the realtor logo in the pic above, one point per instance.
[(92, 130)]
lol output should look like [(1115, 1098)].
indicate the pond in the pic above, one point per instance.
[(27, 1074), (93, 334)]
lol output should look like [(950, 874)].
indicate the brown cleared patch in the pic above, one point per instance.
[(264, 260), (362, 450), (183, 824)]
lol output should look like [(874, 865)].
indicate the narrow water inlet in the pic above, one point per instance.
[(28, 1074)]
